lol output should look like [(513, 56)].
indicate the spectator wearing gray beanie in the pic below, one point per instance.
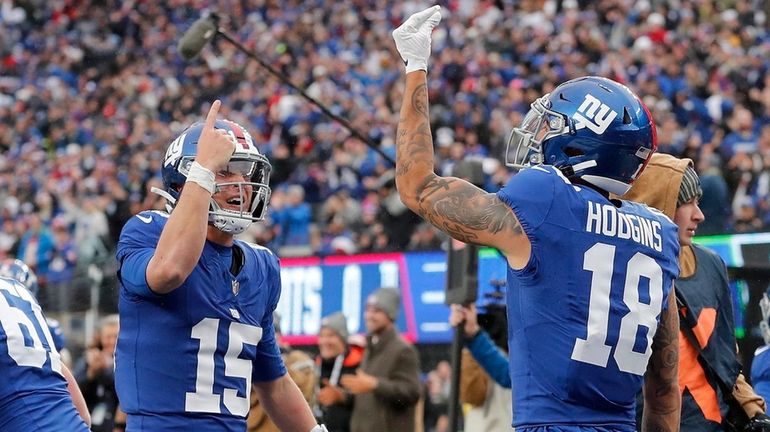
[(387, 300), (387, 385), (689, 188), (335, 405), (337, 323)]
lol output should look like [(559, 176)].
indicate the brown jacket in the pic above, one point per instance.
[(474, 382), (391, 406), (658, 187), (302, 371)]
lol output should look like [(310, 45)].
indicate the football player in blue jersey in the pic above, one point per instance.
[(196, 306), (18, 270), (37, 391), (591, 313)]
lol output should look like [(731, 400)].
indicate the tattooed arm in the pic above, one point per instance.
[(662, 399), (455, 206)]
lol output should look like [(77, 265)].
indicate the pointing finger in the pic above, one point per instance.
[(211, 118)]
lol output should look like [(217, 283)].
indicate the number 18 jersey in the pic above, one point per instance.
[(584, 310)]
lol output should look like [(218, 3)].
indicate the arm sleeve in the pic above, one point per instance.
[(532, 208), (490, 358), (133, 273), (401, 387), (136, 247)]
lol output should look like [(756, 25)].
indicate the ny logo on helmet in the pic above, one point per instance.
[(594, 115), (174, 151)]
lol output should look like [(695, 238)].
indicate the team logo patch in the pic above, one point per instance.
[(594, 115), (174, 151), (236, 287)]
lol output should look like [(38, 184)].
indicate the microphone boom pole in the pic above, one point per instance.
[(342, 121)]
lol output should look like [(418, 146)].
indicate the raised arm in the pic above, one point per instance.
[(662, 399), (455, 206), (181, 242)]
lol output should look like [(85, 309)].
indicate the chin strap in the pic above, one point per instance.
[(567, 170), (170, 201), (217, 216)]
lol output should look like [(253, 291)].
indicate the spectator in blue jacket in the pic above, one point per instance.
[(490, 357), (485, 381)]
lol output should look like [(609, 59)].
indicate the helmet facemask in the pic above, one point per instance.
[(525, 143), (590, 128), (255, 170)]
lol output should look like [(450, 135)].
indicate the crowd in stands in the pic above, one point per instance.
[(89, 88)]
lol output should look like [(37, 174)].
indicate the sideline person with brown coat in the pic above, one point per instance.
[(387, 386)]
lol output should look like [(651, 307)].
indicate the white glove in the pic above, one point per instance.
[(413, 38)]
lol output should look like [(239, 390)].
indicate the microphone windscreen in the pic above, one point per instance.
[(196, 37)]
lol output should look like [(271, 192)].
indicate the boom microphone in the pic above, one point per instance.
[(197, 36), (203, 30)]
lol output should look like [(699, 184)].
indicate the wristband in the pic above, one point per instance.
[(319, 428), (203, 176)]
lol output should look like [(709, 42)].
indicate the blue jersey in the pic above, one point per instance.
[(584, 309), (760, 372), (188, 358), (59, 340), (33, 390)]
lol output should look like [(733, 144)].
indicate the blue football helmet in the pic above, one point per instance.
[(20, 272), (246, 160), (591, 128)]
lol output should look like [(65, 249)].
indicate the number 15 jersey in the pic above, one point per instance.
[(187, 359), (584, 310)]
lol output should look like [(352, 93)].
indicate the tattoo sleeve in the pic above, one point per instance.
[(455, 206), (464, 211), (662, 399)]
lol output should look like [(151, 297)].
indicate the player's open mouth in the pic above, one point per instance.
[(233, 203)]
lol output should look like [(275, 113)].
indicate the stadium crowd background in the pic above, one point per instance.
[(91, 93)]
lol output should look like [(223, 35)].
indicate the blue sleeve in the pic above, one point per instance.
[(57, 334), (268, 364), (491, 359), (133, 273), (136, 247), (530, 194)]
